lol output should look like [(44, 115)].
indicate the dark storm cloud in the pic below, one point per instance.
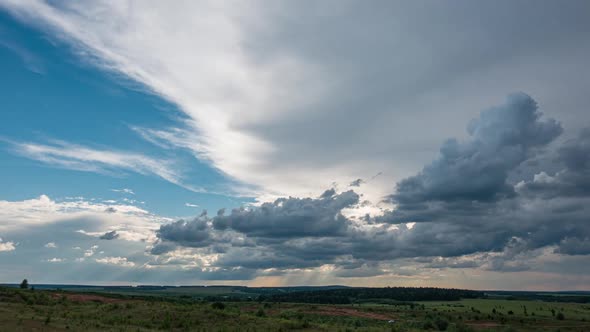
[(500, 140), (292, 217), (109, 235), (162, 248), (574, 246), (194, 233), (381, 59), (573, 180), (356, 183), (576, 153)]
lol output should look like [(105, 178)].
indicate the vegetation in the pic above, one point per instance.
[(24, 284), (58, 310), (358, 294)]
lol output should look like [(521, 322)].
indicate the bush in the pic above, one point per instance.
[(441, 324), (427, 325), (560, 316), (218, 305), (260, 313)]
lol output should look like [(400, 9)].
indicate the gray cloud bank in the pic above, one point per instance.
[(474, 206)]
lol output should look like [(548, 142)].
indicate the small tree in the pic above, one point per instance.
[(24, 284)]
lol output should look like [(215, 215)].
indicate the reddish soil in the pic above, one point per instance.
[(337, 311), (87, 298), (482, 324)]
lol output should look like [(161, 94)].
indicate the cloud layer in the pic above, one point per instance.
[(292, 98), (333, 91), (509, 198), (472, 208)]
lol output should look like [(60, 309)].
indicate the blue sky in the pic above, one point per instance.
[(49, 94), (439, 144)]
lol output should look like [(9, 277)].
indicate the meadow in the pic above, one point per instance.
[(59, 310)]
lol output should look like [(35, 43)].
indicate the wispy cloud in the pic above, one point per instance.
[(81, 158), (124, 191), (30, 60)]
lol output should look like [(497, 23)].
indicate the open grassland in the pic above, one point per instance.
[(52, 310)]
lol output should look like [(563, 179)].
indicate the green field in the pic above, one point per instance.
[(53, 310)]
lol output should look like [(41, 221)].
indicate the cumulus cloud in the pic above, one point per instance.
[(6, 246), (356, 183), (120, 261), (50, 245), (574, 245), (194, 233), (131, 222), (56, 260), (109, 235), (91, 251), (292, 217), (573, 180), (477, 170)]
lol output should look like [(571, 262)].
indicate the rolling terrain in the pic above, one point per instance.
[(228, 308)]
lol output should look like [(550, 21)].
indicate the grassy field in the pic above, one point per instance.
[(52, 310)]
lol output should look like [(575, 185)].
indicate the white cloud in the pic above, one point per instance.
[(6, 246), (281, 91), (81, 158), (121, 261), (131, 222), (90, 252), (124, 191), (56, 260), (50, 245), (191, 205), (213, 80)]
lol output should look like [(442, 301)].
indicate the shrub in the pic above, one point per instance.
[(427, 325), (441, 324), (260, 313), (560, 316), (218, 305)]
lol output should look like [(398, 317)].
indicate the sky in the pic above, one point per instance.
[(396, 143)]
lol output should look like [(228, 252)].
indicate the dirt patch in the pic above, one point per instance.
[(86, 298), (482, 324), (349, 312)]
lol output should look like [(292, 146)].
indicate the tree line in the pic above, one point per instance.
[(354, 295)]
